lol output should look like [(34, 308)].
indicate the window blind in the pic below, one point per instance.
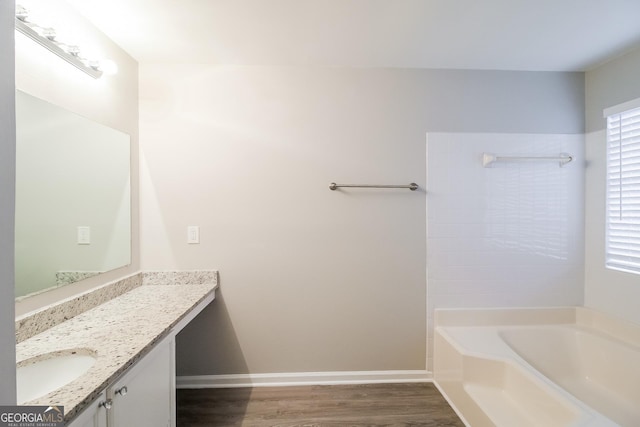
[(623, 191)]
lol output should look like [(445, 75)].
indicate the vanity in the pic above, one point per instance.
[(131, 339), (107, 352)]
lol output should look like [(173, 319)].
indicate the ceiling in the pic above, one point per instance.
[(541, 35)]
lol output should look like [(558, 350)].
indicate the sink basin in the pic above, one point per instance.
[(45, 373)]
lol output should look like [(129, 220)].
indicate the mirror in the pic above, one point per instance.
[(73, 203)]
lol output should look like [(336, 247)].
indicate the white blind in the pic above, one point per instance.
[(623, 191)]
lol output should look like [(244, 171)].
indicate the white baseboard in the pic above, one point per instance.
[(302, 378)]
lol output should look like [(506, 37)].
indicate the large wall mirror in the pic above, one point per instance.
[(73, 203)]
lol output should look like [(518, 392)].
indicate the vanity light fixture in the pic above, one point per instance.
[(47, 38)]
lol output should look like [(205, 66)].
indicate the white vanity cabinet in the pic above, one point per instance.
[(145, 395), (94, 416)]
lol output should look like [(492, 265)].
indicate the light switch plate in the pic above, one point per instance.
[(84, 235), (193, 234)]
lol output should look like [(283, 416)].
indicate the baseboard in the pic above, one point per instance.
[(302, 378)]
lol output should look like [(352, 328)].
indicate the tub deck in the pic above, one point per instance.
[(538, 367)]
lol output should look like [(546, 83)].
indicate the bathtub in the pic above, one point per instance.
[(538, 367)]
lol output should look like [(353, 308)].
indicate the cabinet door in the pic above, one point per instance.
[(143, 396), (94, 416)]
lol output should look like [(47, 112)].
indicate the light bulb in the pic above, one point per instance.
[(22, 13), (73, 50), (95, 65), (49, 33)]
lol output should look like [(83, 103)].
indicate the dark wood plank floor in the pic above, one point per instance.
[(315, 406)]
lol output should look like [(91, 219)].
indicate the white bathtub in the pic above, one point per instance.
[(538, 367)]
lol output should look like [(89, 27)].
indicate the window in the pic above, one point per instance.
[(623, 188)]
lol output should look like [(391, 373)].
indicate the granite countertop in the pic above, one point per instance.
[(118, 333)]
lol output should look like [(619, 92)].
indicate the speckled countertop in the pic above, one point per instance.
[(118, 332)]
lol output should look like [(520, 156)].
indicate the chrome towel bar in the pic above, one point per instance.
[(333, 186)]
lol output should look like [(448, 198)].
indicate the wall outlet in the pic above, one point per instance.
[(193, 234), (84, 235)]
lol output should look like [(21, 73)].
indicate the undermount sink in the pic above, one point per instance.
[(45, 373)]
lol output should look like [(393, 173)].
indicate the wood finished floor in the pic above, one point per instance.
[(315, 406)]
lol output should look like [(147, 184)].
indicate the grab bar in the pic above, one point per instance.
[(413, 186)]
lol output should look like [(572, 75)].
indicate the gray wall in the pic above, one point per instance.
[(313, 280), (7, 203), (612, 83)]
